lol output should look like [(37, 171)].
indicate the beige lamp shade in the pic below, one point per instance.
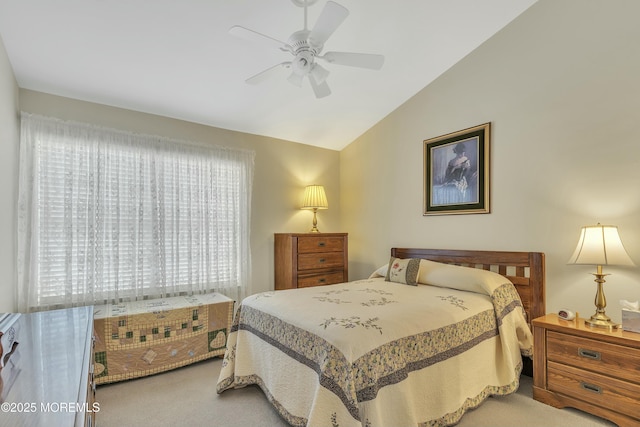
[(315, 198), (600, 245)]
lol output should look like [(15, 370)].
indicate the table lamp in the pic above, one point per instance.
[(600, 245), (315, 198)]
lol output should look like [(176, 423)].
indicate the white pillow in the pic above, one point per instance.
[(380, 272)]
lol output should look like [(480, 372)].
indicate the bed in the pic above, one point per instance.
[(420, 342)]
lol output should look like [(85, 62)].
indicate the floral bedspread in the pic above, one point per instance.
[(375, 353)]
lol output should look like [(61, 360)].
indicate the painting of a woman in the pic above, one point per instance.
[(455, 173)]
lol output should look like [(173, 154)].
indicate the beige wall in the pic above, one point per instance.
[(9, 136), (282, 169), (561, 87)]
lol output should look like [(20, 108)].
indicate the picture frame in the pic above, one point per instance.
[(456, 172)]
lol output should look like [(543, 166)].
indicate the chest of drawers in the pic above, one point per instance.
[(591, 369), (310, 259)]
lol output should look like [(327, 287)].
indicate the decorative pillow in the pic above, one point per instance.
[(403, 271), (380, 272)]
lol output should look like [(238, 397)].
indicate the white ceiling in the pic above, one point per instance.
[(175, 58)]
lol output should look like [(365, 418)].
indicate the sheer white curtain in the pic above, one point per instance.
[(106, 216)]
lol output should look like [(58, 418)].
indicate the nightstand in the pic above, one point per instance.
[(310, 259), (594, 370)]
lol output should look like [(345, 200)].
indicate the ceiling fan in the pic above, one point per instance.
[(306, 47)]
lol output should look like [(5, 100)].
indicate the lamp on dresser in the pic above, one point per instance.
[(315, 198), (600, 245)]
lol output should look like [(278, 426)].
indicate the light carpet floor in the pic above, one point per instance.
[(187, 397)]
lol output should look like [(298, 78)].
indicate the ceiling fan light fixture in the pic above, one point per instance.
[(321, 90), (303, 62), (295, 78), (319, 73)]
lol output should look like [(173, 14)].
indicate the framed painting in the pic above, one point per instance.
[(456, 172)]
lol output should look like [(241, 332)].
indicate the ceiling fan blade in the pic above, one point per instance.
[(264, 75), (330, 19), (362, 60), (320, 89), (254, 36)]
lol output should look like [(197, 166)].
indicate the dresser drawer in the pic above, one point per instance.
[(594, 388), (320, 279), (316, 261), (314, 244), (604, 358)]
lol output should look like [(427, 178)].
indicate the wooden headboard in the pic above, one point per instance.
[(525, 270)]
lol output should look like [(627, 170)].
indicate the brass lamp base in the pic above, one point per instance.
[(314, 229), (600, 319)]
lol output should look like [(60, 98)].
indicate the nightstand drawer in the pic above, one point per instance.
[(311, 244), (320, 260), (604, 358), (594, 388), (321, 279)]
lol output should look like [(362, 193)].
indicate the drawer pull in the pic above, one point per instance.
[(322, 280), (590, 387), (589, 354), (322, 244), (321, 260)]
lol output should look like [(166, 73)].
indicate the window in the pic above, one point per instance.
[(107, 215)]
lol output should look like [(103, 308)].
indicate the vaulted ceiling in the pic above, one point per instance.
[(176, 58)]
